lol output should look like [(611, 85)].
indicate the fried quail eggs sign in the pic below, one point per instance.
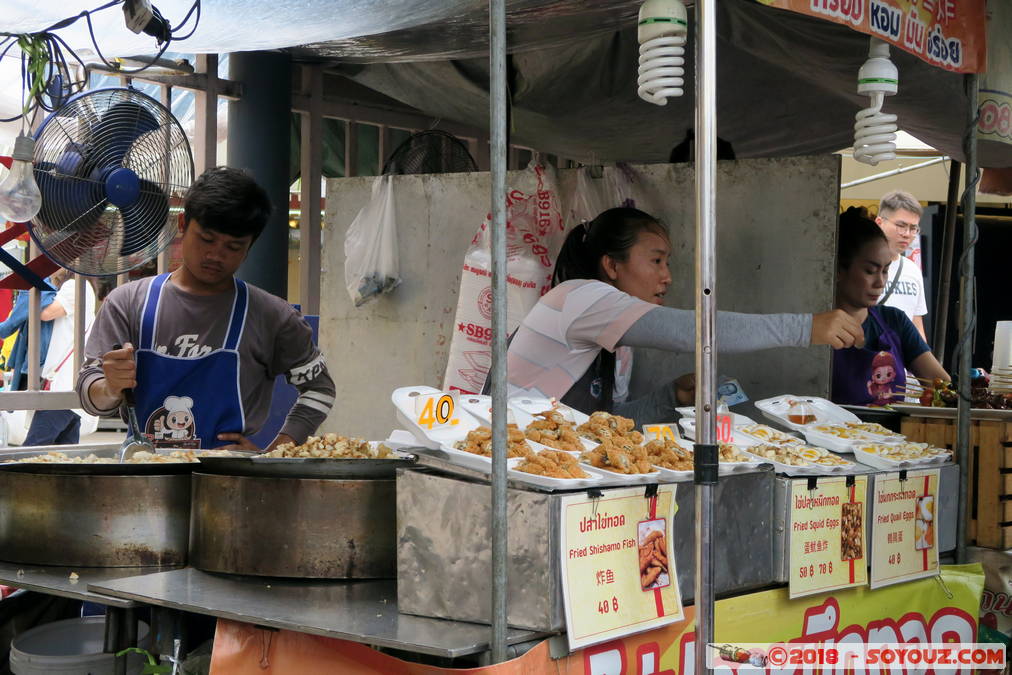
[(903, 533), (827, 549), (618, 565)]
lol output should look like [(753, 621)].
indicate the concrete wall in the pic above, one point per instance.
[(776, 233)]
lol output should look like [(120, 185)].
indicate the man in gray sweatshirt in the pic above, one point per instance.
[(200, 348)]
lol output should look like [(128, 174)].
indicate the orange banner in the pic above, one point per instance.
[(940, 609), (949, 34)]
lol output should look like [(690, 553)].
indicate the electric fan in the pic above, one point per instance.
[(430, 151), (110, 163)]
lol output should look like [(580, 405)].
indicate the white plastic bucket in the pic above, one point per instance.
[(70, 647), (1002, 347)]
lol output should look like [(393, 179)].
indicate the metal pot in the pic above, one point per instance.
[(94, 521), (294, 527)]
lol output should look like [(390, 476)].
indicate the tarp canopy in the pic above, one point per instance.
[(787, 82)]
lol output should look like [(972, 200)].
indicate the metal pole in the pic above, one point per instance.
[(967, 313), (80, 314), (34, 328), (893, 172), (497, 77), (948, 251), (706, 304)]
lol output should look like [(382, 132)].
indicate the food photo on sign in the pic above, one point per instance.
[(653, 554)]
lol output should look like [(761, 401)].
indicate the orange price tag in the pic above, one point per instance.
[(436, 411)]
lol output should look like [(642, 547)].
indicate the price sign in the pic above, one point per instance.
[(827, 546), (725, 428), (436, 411), (904, 527), (667, 430), (618, 565)]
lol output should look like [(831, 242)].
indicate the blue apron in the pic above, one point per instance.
[(185, 402)]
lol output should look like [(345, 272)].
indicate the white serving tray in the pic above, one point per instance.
[(736, 419), (879, 462), (470, 460), (557, 483), (775, 409), (776, 436), (688, 425)]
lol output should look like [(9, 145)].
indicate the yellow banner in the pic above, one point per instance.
[(904, 541), (949, 34), (618, 564), (827, 535), (929, 610)]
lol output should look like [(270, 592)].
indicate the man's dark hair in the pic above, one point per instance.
[(228, 201)]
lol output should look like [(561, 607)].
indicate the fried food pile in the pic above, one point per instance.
[(768, 434), (845, 431), (331, 446), (143, 457), (667, 454), (850, 532), (874, 428), (904, 451), (553, 464), (619, 456), (479, 442), (653, 558), (555, 431), (784, 454), (731, 455), (603, 426)]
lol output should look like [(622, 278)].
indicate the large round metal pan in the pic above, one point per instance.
[(8, 463), (306, 467)]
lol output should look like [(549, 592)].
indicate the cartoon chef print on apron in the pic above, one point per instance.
[(185, 402), (870, 375)]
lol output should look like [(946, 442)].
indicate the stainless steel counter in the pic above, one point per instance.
[(361, 611), (57, 581)]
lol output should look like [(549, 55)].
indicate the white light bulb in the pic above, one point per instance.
[(661, 33), (874, 130), (20, 198)]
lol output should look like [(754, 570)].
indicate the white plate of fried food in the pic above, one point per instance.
[(797, 459), (620, 459), (554, 429), (553, 469), (899, 455), (765, 434), (406, 402), (602, 426), (843, 437), (674, 458), (475, 450)]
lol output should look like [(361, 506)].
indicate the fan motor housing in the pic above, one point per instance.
[(122, 187)]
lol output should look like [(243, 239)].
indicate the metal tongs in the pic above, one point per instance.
[(136, 441)]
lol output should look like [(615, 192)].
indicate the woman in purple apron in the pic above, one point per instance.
[(874, 374)]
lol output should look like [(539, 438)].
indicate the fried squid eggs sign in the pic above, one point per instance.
[(618, 565)]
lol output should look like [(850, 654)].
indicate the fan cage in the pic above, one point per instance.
[(97, 219), (432, 151)]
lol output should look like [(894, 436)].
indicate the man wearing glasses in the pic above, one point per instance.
[(899, 216)]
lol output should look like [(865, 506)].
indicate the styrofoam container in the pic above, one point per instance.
[(557, 483), (70, 647), (826, 412), (404, 399), (742, 440), (736, 419)]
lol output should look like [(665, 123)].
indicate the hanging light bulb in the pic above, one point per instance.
[(875, 131), (662, 28), (20, 198)]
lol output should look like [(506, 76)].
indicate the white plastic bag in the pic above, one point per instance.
[(534, 232), (371, 265)]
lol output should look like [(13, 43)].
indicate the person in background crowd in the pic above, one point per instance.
[(18, 322), (899, 216), (874, 374), (62, 427)]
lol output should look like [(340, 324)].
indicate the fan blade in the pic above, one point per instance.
[(67, 201), (144, 219), (119, 127)]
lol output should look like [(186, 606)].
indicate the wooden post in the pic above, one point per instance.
[(311, 154)]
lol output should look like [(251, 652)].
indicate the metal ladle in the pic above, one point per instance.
[(136, 442)]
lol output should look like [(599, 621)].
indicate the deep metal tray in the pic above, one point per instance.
[(306, 467)]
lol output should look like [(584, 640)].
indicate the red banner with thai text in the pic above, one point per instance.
[(949, 34)]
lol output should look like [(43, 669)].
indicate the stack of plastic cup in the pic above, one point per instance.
[(1001, 366)]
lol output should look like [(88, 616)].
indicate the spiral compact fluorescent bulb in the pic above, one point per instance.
[(874, 130), (662, 28)]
